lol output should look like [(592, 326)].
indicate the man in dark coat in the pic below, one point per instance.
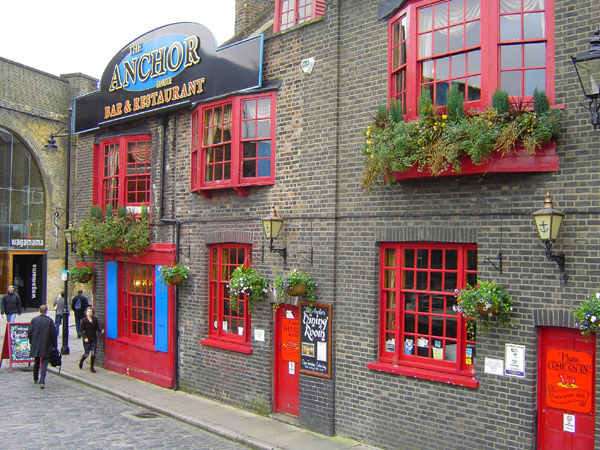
[(79, 305), (11, 305), (42, 339)]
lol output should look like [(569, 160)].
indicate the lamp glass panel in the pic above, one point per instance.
[(267, 228), (556, 223), (589, 74), (543, 223), (276, 228)]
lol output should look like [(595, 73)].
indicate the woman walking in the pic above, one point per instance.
[(89, 330)]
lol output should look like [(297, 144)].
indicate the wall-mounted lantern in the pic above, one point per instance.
[(547, 222), (588, 71), (271, 227)]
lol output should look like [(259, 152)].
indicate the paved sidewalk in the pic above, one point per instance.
[(236, 424)]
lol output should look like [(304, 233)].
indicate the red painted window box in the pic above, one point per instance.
[(519, 161)]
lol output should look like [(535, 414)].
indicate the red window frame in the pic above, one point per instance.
[(122, 172), (228, 318), (420, 333), (454, 61), (233, 144), (137, 303), (290, 13)]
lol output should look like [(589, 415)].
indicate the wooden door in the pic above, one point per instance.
[(566, 390), (287, 359)]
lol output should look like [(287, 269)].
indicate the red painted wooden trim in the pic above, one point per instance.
[(225, 345), (545, 160), (450, 378)]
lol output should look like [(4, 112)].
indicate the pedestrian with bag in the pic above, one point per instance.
[(42, 340), (89, 329), (11, 305), (79, 305), (59, 306)]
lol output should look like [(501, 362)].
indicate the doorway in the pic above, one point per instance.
[(566, 389), (28, 275), (287, 360)]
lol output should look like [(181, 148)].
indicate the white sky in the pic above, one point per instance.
[(68, 36)]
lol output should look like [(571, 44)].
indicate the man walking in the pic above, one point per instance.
[(11, 305), (79, 305), (59, 306), (42, 339)]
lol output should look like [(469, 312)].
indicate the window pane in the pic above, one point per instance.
[(471, 259), (437, 304), (391, 300), (456, 38), (248, 130), (263, 129), (474, 92), (437, 326), (442, 66), (435, 281), (535, 55), (423, 303), (510, 28), (410, 301), (534, 25), (472, 9), (450, 282), (440, 41), (264, 108), (511, 57), (472, 34), (441, 94), (409, 258), (423, 325), (249, 169), (507, 6), (451, 327), (456, 12), (535, 79), (249, 110), (474, 62), (409, 323), (422, 281), (425, 19), (436, 259), (425, 45), (451, 259), (459, 65), (511, 83), (428, 71), (264, 149)]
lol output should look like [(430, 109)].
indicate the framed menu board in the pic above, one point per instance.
[(16, 344), (315, 339)]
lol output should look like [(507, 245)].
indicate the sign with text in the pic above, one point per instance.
[(16, 344), (315, 339), (569, 380), (171, 66)]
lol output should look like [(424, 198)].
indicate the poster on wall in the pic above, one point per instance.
[(315, 339)]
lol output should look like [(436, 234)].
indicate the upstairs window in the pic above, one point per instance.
[(480, 46), (233, 144), (290, 13), (122, 169)]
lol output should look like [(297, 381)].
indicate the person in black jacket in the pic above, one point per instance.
[(42, 339), (89, 330), (11, 304), (79, 305)]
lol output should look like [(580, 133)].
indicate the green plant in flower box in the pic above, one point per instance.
[(175, 273), (439, 140), (286, 286)]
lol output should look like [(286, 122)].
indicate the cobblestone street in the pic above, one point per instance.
[(71, 415)]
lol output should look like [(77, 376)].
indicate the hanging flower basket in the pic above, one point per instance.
[(175, 279), (246, 280), (488, 300), (296, 291), (81, 274), (587, 316), (295, 284), (175, 274)]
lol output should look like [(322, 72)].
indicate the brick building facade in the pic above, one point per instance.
[(377, 392)]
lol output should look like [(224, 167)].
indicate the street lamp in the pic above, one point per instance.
[(588, 71), (271, 227), (52, 147), (547, 222)]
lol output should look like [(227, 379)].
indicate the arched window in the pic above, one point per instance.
[(22, 198)]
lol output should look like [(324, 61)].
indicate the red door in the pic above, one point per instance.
[(566, 390), (287, 359)]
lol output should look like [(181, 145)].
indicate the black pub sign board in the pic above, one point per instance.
[(315, 339), (171, 67)]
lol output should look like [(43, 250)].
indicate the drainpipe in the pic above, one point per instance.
[(164, 122)]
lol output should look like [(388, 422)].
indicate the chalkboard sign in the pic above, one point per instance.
[(315, 339), (16, 344)]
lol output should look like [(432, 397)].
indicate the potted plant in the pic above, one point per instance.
[(81, 274), (294, 284), (175, 273), (246, 280), (488, 300), (587, 316)]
